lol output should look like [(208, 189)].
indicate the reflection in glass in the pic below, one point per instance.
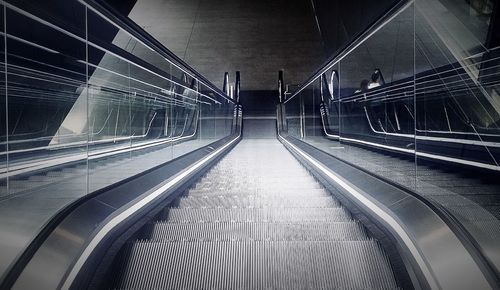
[(3, 113), (87, 105), (457, 116), (417, 102), (47, 159)]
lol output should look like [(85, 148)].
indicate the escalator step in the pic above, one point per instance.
[(251, 191), (256, 265), (176, 215), (300, 231), (267, 185), (255, 202)]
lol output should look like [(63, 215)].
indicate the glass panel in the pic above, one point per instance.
[(183, 78), (45, 82), (376, 99), (463, 24), (151, 111), (326, 113), (132, 109), (78, 115), (108, 117), (220, 116), (104, 33), (330, 92), (474, 16), (195, 121), (312, 116), (418, 103), (294, 116), (3, 113), (47, 150), (457, 116), (224, 116)]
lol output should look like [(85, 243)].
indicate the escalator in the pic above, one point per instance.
[(256, 220), (292, 205)]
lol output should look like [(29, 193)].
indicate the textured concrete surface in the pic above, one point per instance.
[(256, 37)]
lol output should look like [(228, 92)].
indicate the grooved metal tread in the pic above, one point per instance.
[(255, 201), (268, 186), (228, 231), (256, 220), (256, 265), (188, 215), (262, 192)]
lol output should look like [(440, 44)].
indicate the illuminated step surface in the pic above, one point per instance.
[(256, 220)]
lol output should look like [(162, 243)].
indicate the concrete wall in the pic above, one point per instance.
[(256, 37)]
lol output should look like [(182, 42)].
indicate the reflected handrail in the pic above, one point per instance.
[(106, 11), (390, 14)]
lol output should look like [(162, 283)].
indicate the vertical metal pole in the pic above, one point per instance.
[(321, 77), (237, 87), (302, 117), (226, 83), (281, 86), (281, 105)]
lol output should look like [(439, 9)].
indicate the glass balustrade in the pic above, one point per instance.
[(415, 100), (85, 104)]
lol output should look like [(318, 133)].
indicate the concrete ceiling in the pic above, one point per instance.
[(256, 37)]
